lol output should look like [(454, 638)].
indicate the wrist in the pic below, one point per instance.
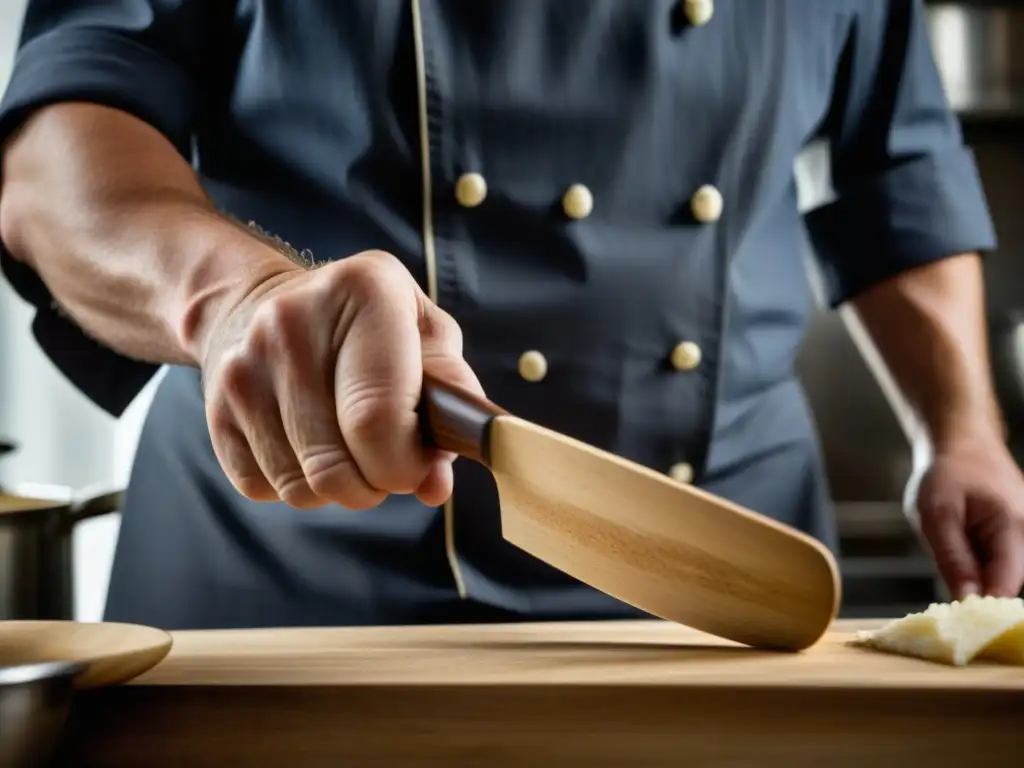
[(226, 265), (964, 430)]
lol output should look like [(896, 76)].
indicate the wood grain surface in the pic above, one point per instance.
[(672, 550), (596, 694)]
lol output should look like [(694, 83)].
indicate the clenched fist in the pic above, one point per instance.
[(312, 383)]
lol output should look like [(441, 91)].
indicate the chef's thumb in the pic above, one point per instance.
[(943, 526), (441, 346)]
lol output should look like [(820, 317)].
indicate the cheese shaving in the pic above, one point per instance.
[(956, 633)]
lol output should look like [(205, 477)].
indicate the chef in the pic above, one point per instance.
[(586, 210)]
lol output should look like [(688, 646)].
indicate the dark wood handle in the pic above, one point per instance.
[(456, 421)]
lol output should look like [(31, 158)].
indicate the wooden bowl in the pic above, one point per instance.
[(109, 653)]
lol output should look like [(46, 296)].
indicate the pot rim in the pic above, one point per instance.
[(39, 499), (44, 500)]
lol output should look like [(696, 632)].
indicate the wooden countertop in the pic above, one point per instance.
[(600, 654), (596, 694)]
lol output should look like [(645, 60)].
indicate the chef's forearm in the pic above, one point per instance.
[(929, 326), (116, 224)]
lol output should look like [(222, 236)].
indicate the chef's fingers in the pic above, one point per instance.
[(441, 342), (379, 372), (303, 376), (438, 485), (235, 456), (942, 524), (248, 392), (1004, 566)]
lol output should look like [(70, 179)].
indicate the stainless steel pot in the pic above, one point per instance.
[(979, 49), (35, 700), (36, 557), (1006, 331)]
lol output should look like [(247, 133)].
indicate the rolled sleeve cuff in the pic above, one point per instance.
[(110, 380), (921, 211), (101, 67)]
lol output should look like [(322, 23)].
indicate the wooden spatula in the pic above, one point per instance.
[(669, 549)]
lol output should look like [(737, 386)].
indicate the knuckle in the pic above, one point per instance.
[(368, 411), (369, 274), (329, 474), (294, 491), (378, 259), (441, 333), (450, 331), (361, 500), (325, 485), (237, 377), (374, 427), (277, 320), (254, 487), (270, 314), (332, 475)]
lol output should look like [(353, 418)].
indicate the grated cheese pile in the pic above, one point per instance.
[(956, 633)]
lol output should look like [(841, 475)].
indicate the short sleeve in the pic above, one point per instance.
[(139, 56), (907, 189)]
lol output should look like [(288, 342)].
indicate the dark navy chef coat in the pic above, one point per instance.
[(660, 307)]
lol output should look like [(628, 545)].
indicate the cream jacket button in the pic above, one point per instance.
[(681, 473), (533, 366), (707, 204), (577, 202), (699, 12), (686, 356), (470, 190)]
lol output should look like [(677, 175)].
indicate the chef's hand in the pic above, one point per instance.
[(971, 510), (312, 383)]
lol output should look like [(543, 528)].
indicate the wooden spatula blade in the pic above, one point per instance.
[(666, 548), (671, 550)]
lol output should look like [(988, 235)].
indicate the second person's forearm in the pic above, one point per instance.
[(929, 326)]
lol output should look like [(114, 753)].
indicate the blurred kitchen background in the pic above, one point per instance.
[(873, 445)]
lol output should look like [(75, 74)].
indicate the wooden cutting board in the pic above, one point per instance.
[(596, 694)]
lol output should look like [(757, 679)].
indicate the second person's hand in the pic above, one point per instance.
[(312, 383), (971, 511)]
